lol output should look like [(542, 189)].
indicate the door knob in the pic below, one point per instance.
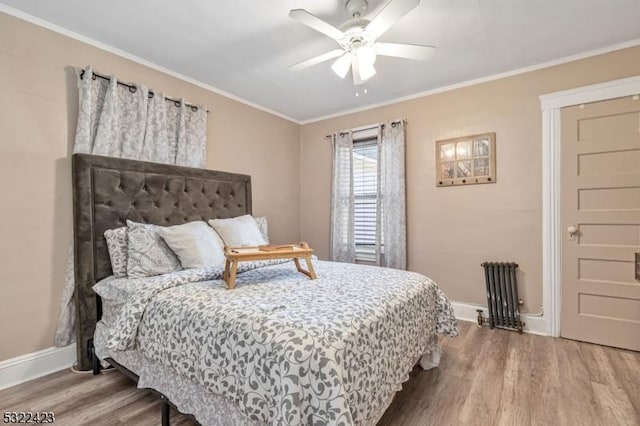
[(572, 231)]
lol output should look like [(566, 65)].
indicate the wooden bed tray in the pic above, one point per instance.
[(296, 252)]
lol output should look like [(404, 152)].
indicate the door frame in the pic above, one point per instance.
[(551, 103)]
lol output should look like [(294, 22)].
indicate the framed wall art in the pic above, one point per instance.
[(466, 161)]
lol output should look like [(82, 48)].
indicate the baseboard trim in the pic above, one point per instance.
[(23, 368), (469, 312)]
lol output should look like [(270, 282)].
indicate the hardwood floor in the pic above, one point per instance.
[(486, 377)]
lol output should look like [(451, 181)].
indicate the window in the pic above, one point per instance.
[(365, 191), (368, 196)]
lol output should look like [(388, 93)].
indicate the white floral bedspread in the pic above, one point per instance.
[(286, 349)]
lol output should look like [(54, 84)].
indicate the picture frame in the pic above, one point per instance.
[(467, 160)]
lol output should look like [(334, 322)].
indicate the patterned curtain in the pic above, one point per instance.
[(391, 195), (343, 247), (118, 121)]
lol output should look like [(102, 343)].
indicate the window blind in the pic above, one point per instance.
[(365, 191)]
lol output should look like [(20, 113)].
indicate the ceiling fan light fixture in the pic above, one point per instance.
[(342, 64), (366, 72), (366, 57)]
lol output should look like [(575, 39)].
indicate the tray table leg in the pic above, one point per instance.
[(312, 272), (309, 271), (231, 279), (225, 273)]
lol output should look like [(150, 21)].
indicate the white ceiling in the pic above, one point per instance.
[(245, 47)]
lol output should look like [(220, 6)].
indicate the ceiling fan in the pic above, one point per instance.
[(358, 39)]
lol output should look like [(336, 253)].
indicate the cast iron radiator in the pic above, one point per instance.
[(502, 295)]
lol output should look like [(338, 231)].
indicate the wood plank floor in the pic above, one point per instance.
[(486, 377)]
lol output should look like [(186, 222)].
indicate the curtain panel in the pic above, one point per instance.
[(119, 121), (392, 195), (343, 246)]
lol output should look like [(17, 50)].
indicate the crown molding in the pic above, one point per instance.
[(536, 67), (108, 48)]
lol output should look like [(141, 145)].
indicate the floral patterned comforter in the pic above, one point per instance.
[(286, 349)]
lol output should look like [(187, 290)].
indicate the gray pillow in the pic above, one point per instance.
[(117, 246), (196, 244), (147, 253)]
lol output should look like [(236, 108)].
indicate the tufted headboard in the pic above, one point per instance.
[(107, 191)]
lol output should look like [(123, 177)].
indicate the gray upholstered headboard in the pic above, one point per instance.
[(107, 191)]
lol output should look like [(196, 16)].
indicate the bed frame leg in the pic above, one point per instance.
[(95, 361), (166, 411)]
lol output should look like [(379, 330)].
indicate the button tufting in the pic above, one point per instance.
[(176, 204)]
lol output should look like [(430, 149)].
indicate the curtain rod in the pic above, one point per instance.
[(133, 89), (365, 128)]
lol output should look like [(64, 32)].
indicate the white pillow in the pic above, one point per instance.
[(239, 231), (263, 226), (195, 244)]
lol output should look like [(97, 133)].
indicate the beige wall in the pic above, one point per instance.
[(452, 230), (38, 98)]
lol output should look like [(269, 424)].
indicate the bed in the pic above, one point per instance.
[(279, 348)]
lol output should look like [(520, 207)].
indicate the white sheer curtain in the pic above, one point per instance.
[(392, 195), (343, 247), (120, 121), (391, 219)]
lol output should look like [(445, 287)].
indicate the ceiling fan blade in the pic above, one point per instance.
[(342, 64), (316, 23), (318, 59), (393, 11), (407, 51)]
